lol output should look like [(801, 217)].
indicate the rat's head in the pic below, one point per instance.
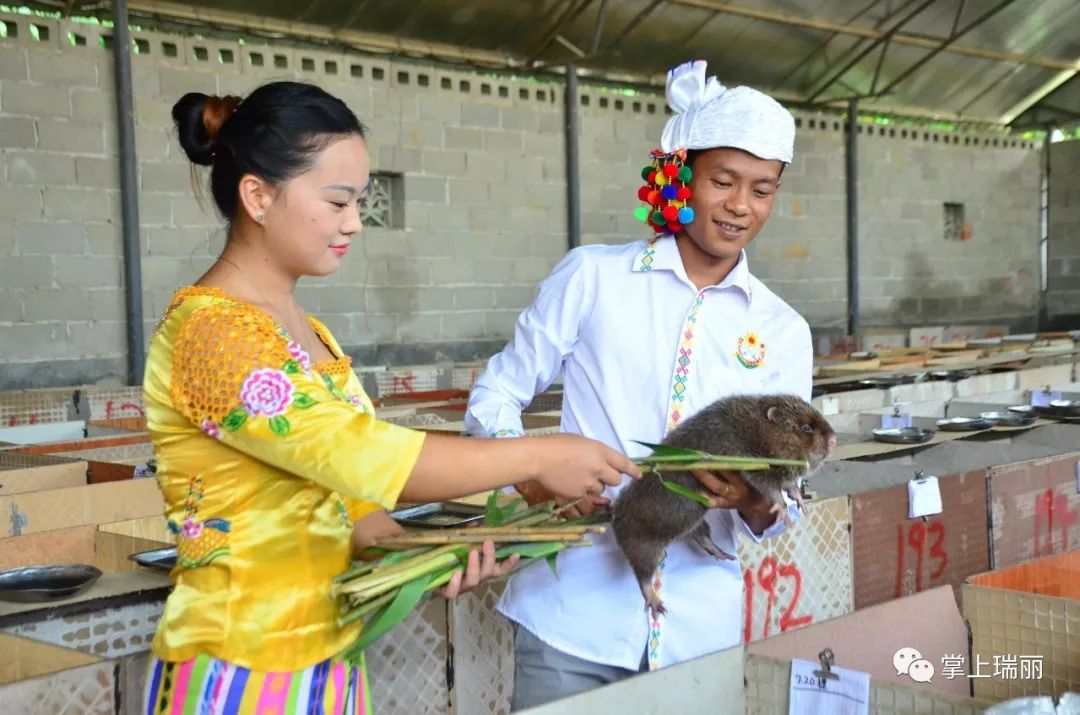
[(798, 429)]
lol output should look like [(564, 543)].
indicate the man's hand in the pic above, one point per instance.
[(534, 493), (729, 490)]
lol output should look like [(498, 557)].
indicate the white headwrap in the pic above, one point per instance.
[(709, 115)]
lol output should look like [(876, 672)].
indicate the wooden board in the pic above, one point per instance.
[(99, 472), (865, 640), (895, 556), (95, 443), (73, 545), (110, 585), (36, 479), (154, 528), (24, 659), (111, 551), (1034, 509), (870, 448), (94, 504)]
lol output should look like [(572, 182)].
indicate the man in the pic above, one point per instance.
[(646, 334)]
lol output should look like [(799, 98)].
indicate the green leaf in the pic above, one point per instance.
[(666, 450), (530, 550), (552, 561), (493, 515), (302, 401), (394, 613), (688, 493), (235, 419), (291, 367), (280, 426)]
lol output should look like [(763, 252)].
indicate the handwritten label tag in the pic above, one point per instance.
[(896, 421), (811, 694), (924, 497), (830, 406), (1043, 398)]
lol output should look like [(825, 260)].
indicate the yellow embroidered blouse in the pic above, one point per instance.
[(265, 459)]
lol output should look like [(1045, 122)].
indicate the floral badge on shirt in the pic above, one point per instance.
[(750, 350)]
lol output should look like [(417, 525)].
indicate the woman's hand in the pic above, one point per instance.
[(369, 529), (572, 466), (481, 566)]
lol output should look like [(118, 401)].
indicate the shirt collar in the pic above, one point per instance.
[(661, 254)]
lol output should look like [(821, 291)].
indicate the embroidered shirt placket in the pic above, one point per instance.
[(680, 383)]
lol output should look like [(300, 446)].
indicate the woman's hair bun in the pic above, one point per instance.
[(199, 118)]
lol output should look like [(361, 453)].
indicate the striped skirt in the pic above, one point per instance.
[(208, 686)]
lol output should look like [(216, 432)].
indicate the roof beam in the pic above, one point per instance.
[(631, 26), (926, 42), (820, 48), (1048, 88), (573, 10), (911, 69), (884, 39), (370, 41), (598, 32)]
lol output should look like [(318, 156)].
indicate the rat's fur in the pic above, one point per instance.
[(648, 516)]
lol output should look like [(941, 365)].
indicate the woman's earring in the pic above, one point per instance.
[(260, 217)]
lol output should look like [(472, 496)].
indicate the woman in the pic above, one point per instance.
[(268, 449)]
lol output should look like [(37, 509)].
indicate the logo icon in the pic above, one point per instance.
[(910, 662), (750, 351)]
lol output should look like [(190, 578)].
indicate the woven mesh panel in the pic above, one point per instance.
[(483, 653), (807, 568), (407, 666)]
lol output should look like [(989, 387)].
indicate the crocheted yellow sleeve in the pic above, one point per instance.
[(242, 381)]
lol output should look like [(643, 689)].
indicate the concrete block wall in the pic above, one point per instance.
[(480, 161), (909, 274), (1063, 244)]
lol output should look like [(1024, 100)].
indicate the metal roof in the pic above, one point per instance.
[(999, 61)]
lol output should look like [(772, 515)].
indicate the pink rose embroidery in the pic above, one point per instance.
[(266, 392), (192, 528), (300, 355), (211, 429)]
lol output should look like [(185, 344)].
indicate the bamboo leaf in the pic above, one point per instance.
[(666, 454), (394, 613), (666, 450), (552, 562), (534, 550), (493, 515), (512, 506), (688, 493)]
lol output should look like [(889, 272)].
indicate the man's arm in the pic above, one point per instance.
[(545, 334)]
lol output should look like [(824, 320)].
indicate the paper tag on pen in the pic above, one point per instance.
[(1043, 398), (924, 497), (896, 421), (810, 694)]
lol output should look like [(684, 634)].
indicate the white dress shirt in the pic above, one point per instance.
[(640, 348)]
